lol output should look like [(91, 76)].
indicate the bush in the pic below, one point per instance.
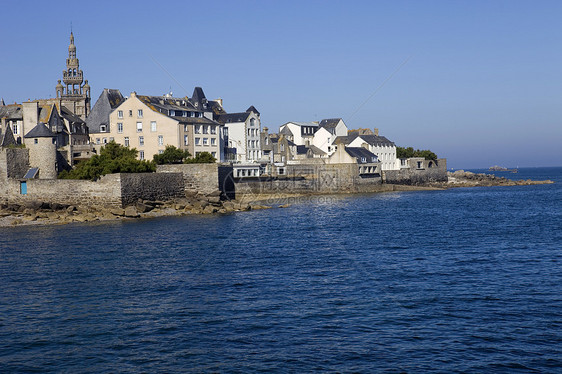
[(409, 152), (201, 158), (113, 158), (171, 155)]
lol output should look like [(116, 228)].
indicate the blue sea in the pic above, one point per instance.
[(466, 280)]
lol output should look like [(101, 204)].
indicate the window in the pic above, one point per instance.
[(104, 140), (98, 140), (197, 141), (111, 139), (213, 129), (139, 113), (198, 129), (130, 113), (252, 122), (214, 154), (119, 114), (205, 141), (15, 127), (160, 151), (36, 141), (139, 126), (185, 128), (126, 141), (282, 147), (160, 140), (249, 132), (141, 140), (225, 131), (103, 128), (141, 155), (266, 140), (205, 129), (213, 141), (153, 126), (185, 141), (119, 127)]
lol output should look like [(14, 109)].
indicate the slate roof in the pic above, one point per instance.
[(345, 139), (7, 137), (164, 103), (376, 140), (369, 139), (40, 131), (233, 117), (198, 95), (286, 131), (99, 115), (13, 111), (329, 123), (359, 153), (302, 149), (196, 120), (316, 150), (68, 115), (253, 109), (315, 124)]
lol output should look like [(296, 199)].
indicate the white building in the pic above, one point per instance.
[(380, 146), (242, 135), (301, 133), (328, 131)]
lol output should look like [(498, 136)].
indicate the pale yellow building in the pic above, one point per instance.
[(150, 123)]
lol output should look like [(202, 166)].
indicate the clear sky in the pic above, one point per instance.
[(478, 82)]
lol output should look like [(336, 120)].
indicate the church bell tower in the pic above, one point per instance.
[(73, 94)]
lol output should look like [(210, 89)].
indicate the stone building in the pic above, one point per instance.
[(150, 123), (98, 119), (74, 94)]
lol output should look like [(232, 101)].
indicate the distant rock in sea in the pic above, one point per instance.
[(497, 168)]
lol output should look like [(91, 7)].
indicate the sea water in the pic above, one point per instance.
[(462, 280)]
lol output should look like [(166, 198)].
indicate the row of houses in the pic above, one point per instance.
[(149, 123)]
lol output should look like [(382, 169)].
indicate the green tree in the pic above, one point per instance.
[(409, 152), (201, 158), (171, 155), (113, 158)]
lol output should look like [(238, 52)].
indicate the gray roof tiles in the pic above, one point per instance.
[(40, 131)]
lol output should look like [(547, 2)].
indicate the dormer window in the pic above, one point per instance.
[(103, 128), (363, 159)]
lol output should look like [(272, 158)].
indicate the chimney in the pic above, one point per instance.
[(219, 100), (265, 129), (376, 131), (365, 145), (133, 94)]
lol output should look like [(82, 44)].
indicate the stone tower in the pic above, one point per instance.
[(73, 94)]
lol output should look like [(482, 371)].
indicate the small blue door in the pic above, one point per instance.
[(23, 188)]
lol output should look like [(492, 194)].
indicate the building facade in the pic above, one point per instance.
[(150, 123)]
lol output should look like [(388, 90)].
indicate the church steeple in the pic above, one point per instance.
[(72, 76), (72, 91)]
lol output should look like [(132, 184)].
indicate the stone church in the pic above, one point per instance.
[(74, 94)]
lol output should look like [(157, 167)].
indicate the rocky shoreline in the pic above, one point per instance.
[(37, 212), (41, 213), (461, 178)]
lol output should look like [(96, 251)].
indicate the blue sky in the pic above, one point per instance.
[(478, 82)]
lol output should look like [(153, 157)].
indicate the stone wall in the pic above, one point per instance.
[(105, 192), (430, 171), (14, 162), (151, 186), (309, 178), (202, 178), (112, 190)]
